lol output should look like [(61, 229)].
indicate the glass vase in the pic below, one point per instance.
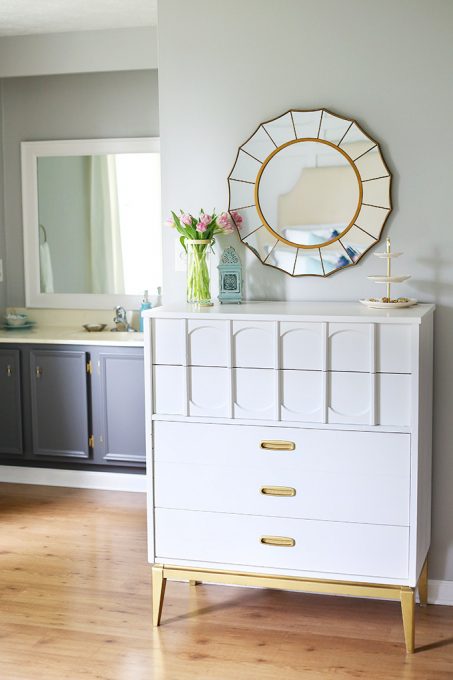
[(198, 271)]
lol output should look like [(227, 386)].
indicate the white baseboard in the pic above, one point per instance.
[(79, 479), (440, 592)]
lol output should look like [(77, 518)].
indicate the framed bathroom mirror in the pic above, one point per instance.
[(92, 222), (310, 192)]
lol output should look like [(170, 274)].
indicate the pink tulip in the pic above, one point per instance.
[(186, 219), (201, 227), (237, 218), (170, 222), (224, 220)]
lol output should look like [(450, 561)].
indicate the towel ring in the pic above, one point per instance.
[(44, 232)]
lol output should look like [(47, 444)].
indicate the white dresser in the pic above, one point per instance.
[(289, 446)]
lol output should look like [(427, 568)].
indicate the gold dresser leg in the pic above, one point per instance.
[(159, 583), (423, 585), (407, 596), (194, 583)]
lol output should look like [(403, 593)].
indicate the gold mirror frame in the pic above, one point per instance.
[(365, 226)]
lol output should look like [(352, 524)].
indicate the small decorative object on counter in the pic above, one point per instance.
[(17, 321), (146, 304), (387, 301), (94, 327), (230, 277), (197, 238)]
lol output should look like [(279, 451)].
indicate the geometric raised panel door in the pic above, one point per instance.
[(59, 401), (10, 403)]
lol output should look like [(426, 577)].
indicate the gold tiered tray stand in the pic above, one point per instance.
[(387, 301)]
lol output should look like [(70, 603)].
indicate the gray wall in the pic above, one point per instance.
[(84, 106), (386, 63), (2, 220)]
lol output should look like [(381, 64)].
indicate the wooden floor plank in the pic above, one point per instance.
[(75, 602)]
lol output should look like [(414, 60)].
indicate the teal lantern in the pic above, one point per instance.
[(230, 277)]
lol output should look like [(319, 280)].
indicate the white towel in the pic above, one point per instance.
[(46, 273)]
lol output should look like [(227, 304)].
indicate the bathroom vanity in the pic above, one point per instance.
[(72, 399), (290, 445)]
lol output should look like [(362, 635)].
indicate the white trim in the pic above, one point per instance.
[(78, 479), (440, 592), (30, 151)]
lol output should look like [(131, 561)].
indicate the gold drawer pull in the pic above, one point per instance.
[(280, 541), (277, 445), (278, 491)]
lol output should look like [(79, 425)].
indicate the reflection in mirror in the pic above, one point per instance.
[(92, 222), (282, 257), (306, 123), (250, 221), (259, 145), (246, 167), (335, 256), (308, 193), (99, 223), (261, 242), (308, 262), (333, 128), (313, 192), (356, 242), (370, 219), (280, 130)]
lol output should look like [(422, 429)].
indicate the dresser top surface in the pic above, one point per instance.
[(351, 312)]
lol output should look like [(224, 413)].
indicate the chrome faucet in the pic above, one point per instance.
[(121, 322)]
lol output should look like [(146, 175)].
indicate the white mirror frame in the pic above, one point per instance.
[(30, 152)]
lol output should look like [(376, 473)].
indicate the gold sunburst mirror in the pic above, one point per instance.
[(309, 192)]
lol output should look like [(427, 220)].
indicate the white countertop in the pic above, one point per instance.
[(66, 335), (300, 311)]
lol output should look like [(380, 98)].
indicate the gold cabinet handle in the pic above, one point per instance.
[(38, 371), (280, 541), (286, 491), (9, 371), (277, 445)]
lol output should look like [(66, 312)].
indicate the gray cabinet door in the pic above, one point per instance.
[(122, 399), (59, 403), (10, 403)]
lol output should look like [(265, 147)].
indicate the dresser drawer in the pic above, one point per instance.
[(287, 395), (296, 345), (331, 475), (323, 547)]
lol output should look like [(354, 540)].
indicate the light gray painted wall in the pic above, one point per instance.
[(78, 52), (83, 106), (2, 225), (386, 63)]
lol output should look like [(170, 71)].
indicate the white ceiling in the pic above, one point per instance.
[(25, 17)]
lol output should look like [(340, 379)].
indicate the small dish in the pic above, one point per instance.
[(94, 327), (23, 326), (389, 279), (396, 304), (16, 320)]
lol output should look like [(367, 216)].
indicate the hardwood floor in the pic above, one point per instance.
[(75, 604)]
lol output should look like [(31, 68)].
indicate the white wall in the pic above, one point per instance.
[(386, 63), (78, 52)]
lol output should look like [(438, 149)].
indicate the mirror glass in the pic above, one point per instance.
[(92, 221), (308, 192), (99, 223)]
